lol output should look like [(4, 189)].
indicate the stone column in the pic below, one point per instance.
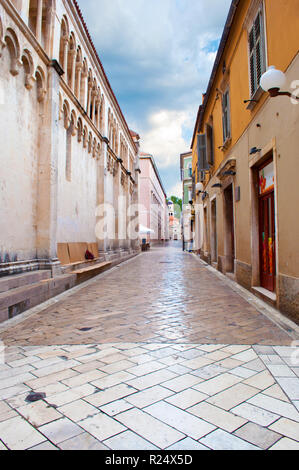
[(100, 196), (122, 205), (73, 70), (78, 80), (39, 16), (65, 56), (135, 244), (128, 201), (116, 191), (93, 100), (48, 176), (88, 99)]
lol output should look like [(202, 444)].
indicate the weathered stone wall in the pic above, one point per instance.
[(77, 198), (63, 134)]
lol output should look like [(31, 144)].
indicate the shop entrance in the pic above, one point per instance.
[(267, 234)]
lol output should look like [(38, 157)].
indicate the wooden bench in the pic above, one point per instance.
[(73, 254), (98, 266)]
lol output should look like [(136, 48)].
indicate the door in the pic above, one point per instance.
[(267, 241), (229, 230)]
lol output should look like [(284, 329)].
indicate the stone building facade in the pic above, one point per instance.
[(69, 162), (66, 148), (187, 218), (153, 204), (245, 156)]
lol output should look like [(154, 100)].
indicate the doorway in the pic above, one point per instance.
[(229, 229), (214, 251), (267, 231)]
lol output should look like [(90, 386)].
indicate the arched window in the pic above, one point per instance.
[(64, 40), (40, 83), (12, 43), (28, 68), (90, 142), (79, 129)]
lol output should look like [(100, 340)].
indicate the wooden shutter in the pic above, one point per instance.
[(257, 55), (202, 152), (210, 144), (226, 115), (193, 186)]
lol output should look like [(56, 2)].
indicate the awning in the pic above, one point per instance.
[(145, 230)]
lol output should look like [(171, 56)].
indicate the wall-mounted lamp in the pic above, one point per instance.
[(230, 173), (221, 147), (254, 150), (217, 185), (204, 195), (272, 81)]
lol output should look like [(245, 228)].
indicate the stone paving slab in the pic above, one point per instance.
[(166, 410), (163, 296)]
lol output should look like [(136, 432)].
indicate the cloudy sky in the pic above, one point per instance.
[(158, 56)]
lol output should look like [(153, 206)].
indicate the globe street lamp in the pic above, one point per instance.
[(273, 81)]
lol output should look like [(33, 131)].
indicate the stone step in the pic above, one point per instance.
[(18, 300), (19, 280)]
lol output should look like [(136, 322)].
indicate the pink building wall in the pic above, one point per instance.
[(153, 200)]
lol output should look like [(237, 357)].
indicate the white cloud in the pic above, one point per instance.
[(164, 138), (176, 190), (158, 56)]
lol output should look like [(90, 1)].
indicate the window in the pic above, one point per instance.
[(257, 52), (210, 144), (193, 195), (226, 116), (190, 170), (202, 163)]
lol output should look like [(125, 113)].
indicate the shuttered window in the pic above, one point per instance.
[(202, 152), (226, 116), (193, 186), (210, 144), (257, 54)]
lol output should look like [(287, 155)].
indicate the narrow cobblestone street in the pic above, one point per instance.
[(161, 296), (158, 353)]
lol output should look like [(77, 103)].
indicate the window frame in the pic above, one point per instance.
[(260, 10), (226, 136)]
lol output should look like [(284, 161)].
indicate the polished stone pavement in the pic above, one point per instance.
[(161, 296), (159, 353)]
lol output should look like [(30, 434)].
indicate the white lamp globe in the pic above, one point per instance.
[(199, 187), (273, 78)]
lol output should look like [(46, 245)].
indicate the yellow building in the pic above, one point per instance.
[(245, 152)]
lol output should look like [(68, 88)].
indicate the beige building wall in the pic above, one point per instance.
[(277, 132)]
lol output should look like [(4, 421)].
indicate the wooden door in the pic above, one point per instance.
[(267, 241)]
